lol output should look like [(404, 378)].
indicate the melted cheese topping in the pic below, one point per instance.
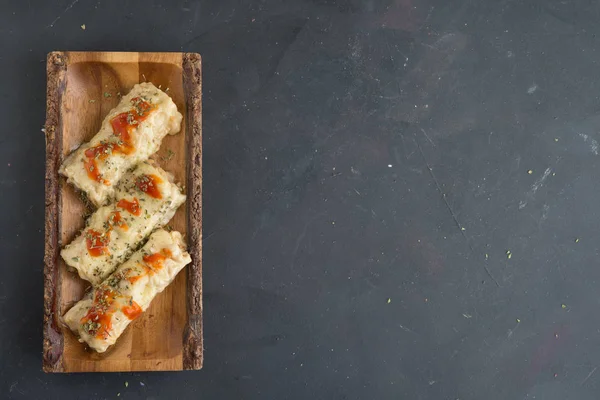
[(146, 199), (130, 133), (102, 316)]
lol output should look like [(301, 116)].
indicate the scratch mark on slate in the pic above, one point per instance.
[(545, 212), (511, 332), (589, 375), (537, 184), (209, 236), (534, 188), (428, 138), (13, 387), (593, 143), (532, 89), (63, 13), (459, 226), (301, 237), (406, 329)]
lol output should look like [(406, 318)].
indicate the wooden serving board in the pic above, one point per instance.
[(82, 88)]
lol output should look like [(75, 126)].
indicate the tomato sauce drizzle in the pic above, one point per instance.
[(133, 207), (122, 125), (149, 185), (96, 242)]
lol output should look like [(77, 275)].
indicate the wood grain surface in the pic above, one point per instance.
[(82, 88)]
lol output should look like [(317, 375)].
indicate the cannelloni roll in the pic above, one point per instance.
[(146, 198), (130, 133), (102, 316)]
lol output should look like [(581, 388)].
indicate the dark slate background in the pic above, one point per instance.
[(366, 170)]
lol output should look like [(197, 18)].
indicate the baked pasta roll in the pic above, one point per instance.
[(130, 133), (146, 199), (102, 316)]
